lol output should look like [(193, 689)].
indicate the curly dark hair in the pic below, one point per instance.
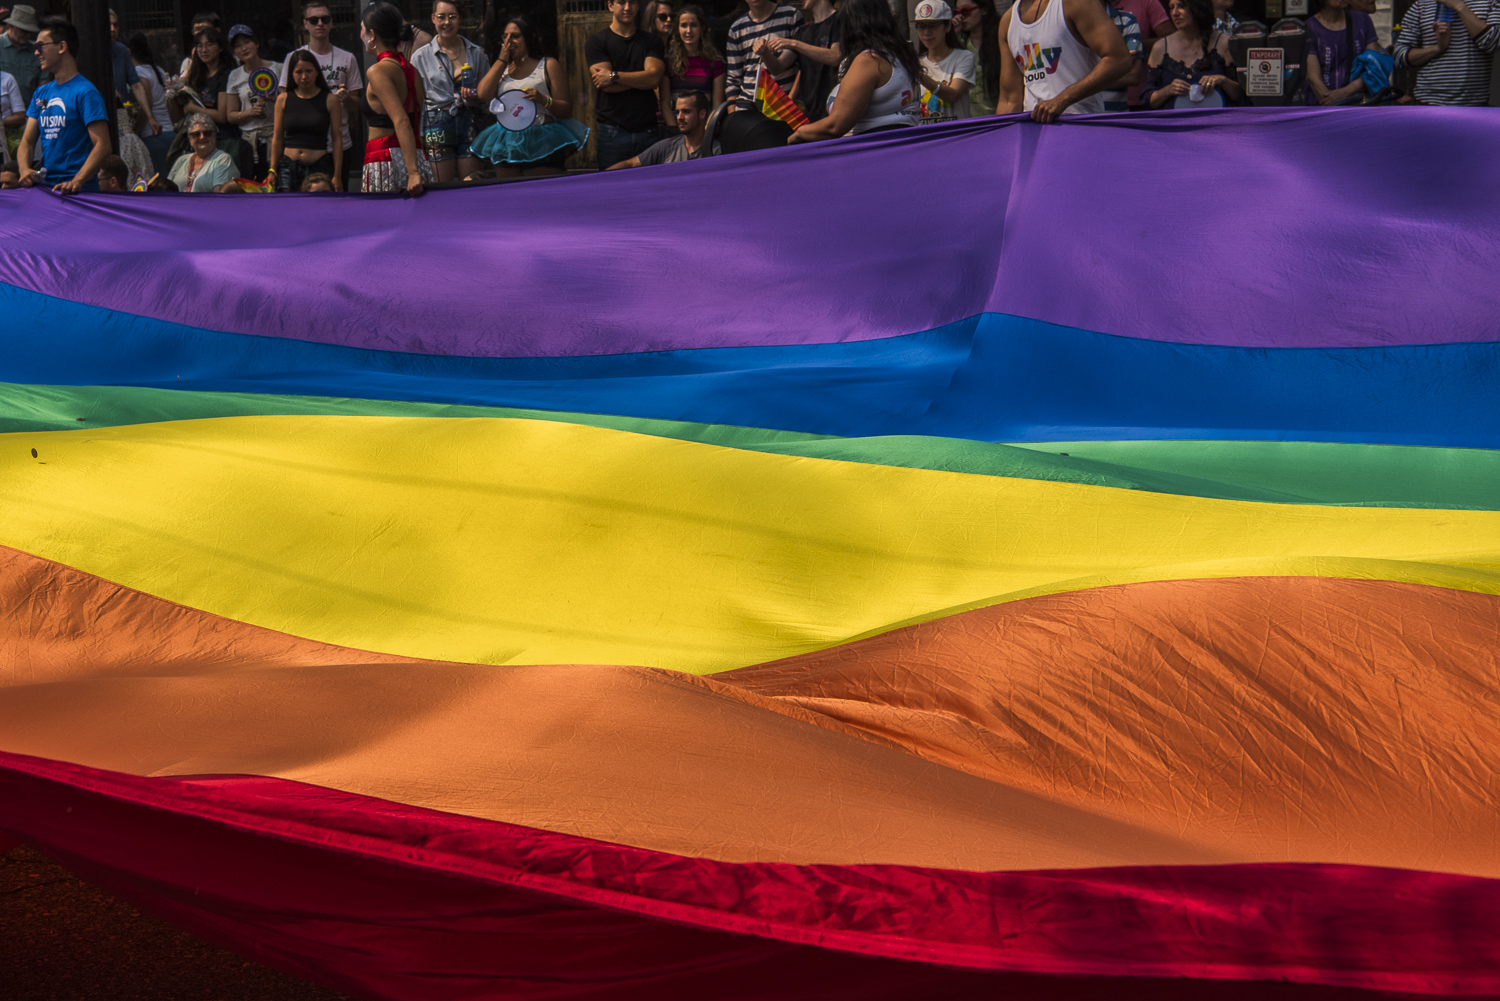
[(1202, 14), (529, 33), (869, 26), (385, 22)]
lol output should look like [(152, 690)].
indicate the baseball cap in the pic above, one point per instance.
[(240, 29), (933, 10)]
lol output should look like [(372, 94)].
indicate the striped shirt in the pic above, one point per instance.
[(739, 84), (1460, 76), (1130, 30)]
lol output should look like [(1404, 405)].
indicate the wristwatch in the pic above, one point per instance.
[(614, 75)]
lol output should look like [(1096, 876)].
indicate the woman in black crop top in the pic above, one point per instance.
[(308, 115)]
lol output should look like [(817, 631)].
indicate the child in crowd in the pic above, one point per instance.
[(948, 69), (10, 176), (317, 182)]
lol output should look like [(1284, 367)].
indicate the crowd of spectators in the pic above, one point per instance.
[(437, 106)]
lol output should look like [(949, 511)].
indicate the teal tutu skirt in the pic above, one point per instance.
[(502, 146)]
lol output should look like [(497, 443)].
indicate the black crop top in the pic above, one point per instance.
[(305, 122), (373, 118)]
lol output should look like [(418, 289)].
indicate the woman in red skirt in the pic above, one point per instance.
[(393, 160)]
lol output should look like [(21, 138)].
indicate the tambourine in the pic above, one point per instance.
[(263, 82), (514, 110)]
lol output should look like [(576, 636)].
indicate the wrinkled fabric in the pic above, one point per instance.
[(380, 890), (984, 610), (992, 378), (641, 258), (500, 540)]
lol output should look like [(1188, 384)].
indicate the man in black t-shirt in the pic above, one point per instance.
[(626, 65)]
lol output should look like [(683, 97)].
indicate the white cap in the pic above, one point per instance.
[(933, 10)]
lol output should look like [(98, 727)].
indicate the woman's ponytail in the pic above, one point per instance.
[(385, 22)]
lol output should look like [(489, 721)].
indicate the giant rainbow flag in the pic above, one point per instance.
[(748, 579)]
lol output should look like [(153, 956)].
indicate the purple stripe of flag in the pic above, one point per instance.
[(1290, 228)]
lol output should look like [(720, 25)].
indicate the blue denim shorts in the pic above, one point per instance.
[(446, 135)]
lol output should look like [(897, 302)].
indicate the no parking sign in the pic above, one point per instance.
[(1264, 72)]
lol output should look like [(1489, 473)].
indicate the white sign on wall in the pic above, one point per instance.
[(1264, 77)]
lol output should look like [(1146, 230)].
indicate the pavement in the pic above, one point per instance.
[(67, 940)]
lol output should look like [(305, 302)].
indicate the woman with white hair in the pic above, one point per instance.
[(206, 167)]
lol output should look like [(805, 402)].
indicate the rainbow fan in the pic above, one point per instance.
[(774, 102), (263, 82)]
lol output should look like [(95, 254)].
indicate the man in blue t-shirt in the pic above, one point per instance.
[(66, 118)]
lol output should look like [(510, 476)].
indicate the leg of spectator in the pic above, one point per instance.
[(640, 142), (468, 163), (438, 137), (158, 146), (287, 178), (608, 145)]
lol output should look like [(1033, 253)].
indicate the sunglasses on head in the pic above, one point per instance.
[(320, 19), (964, 11)]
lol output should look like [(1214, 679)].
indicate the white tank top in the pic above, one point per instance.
[(1051, 59), (893, 103), (536, 78)]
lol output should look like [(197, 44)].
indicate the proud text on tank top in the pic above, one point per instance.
[(1050, 59)]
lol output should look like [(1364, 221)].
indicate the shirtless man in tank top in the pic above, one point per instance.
[(1063, 54)]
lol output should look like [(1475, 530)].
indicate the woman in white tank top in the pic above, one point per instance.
[(544, 146), (1050, 71), (877, 87)]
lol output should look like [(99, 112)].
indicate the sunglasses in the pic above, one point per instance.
[(964, 11), (201, 135), (664, 18), (324, 19), (39, 46)]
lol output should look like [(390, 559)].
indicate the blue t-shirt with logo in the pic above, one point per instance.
[(63, 112)]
